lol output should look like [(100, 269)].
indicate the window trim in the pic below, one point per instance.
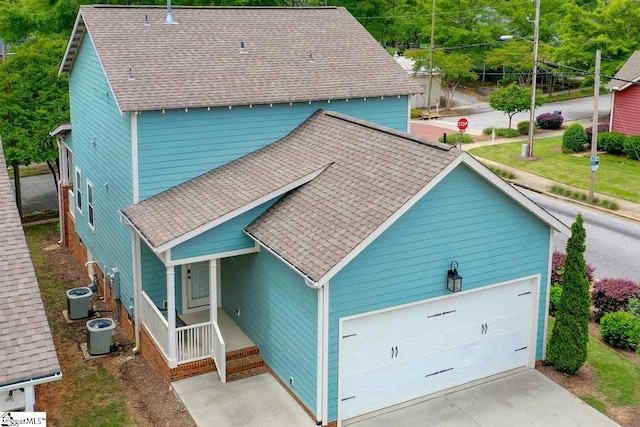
[(78, 190), (91, 206)]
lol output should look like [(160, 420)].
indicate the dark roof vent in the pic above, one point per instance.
[(243, 50)]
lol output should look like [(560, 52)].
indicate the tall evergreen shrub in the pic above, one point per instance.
[(568, 345)]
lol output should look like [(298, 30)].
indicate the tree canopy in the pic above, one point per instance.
[(512, 99)]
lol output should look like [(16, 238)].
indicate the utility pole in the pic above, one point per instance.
[(594, 125), (532, 112), (431, 49)]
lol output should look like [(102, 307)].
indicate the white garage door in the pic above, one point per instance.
[(396, 355)]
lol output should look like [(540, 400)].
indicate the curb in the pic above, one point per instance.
[(41, 222), (577, 202)]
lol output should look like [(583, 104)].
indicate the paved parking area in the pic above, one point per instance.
[(252, 402), (520, 398)]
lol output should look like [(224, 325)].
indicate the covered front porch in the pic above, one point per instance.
[(180, 308)]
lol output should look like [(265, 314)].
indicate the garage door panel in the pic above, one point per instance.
[(401, 354)]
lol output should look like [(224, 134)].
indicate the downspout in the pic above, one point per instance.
[(60, 202), (323, 340)]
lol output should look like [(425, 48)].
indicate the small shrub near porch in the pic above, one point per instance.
[(574, 139), (612, 295), (621, 329)]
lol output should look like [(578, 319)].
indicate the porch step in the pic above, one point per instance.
[(246, 374), (244, 363), (243, 352)]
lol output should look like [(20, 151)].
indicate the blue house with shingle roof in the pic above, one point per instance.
[(257, 206)]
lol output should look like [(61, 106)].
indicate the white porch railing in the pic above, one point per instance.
[(219, 352), (193, 342), (72, 203), (155, 322)]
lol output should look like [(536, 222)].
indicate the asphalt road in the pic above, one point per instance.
[(613, 243), (38, 193), (575, 109)]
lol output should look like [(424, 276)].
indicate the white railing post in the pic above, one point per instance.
[(171, 315), (213, 290)]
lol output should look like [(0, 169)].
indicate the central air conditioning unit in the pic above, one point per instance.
[(100, 334), (79, 304)]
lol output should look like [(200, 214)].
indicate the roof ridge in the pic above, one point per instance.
[(142, 6), (387, 130)]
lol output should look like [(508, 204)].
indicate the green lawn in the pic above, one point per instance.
[(90, 394), (618, 176), (617, 378)]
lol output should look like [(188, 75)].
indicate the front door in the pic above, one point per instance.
[(197, 284)]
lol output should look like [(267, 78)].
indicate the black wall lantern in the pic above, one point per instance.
[(454, 280)]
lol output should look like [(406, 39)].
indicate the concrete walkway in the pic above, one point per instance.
[(519, 398), (252, 402)]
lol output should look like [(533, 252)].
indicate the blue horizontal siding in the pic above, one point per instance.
[(176, 146), (154, 278), (105, 162), (464, 218), (279, 313), (226, 237)]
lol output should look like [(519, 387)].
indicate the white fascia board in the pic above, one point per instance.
[(516, 195), (236, 212), (626, 84), (307, 280), (476, 166), (68, 49), (54, 377), (125, 221), (389, 221)]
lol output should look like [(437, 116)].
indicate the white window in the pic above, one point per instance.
[(78, 186), (90, 204)]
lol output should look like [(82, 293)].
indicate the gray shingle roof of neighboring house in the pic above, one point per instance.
[(26, 346), (197, 63), (630, 71), (367, 173)]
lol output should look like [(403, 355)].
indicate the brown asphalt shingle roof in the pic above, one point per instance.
[(26, 345), (372, 172), (629, 71), (197, 62)]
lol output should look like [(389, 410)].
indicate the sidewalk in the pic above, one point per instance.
[(537, 183)]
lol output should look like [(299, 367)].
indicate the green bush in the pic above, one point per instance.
[(632, 147), (634, 306), (567, 350), (506, 133), (456, 138), (555, 295), (416, 113), (611, 142), (487, 131), (574, 139), (523, 128), (621, 329)]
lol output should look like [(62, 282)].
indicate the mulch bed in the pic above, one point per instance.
[(150, 402)]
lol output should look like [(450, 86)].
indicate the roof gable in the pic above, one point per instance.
[(630, 72), (292, 55)]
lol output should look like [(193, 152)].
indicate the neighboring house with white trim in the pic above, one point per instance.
[(421, 77), (265, 209), (27, 354), (625, 115)]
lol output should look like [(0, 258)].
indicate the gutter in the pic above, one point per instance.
[(34, 381)]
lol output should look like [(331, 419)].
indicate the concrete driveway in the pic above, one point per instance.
[(252, 402), (519, 398)]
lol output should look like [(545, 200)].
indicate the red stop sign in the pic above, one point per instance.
[(463, 123)]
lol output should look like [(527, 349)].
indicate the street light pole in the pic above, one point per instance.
[(594, 124), (532, 112), (431, 49)]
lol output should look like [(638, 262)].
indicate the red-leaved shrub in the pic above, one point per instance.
[(610, 295), (557, 268)]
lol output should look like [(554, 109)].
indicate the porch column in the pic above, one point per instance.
[(171, 315), (29, 398), (64, 162), (213, 290)]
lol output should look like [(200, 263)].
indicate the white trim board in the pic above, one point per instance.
[(477, 167), (239, 211), (168, 261), (68, 49), (546, 308), (135, 176), (533, 322)]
